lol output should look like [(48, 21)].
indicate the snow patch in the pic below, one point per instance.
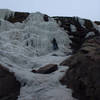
[(73, 28), (81, 21)]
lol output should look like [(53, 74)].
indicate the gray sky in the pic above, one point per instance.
[(82, 8)]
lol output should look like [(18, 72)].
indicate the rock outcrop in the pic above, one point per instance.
[(97, 22), (78, 30), (46, 69), (46, 18), (83, 75), (9, 86), (17, 17)]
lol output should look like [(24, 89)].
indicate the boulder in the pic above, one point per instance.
[(9, 86), (47, 69), (83, 75)]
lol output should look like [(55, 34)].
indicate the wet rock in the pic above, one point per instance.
[(47, 69), (83, 75), (9, 86)]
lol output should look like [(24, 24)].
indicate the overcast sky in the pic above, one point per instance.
[(82, 8)]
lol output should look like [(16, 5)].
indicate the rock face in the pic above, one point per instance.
[(17, 17), (46, 18), (78, 30), (47, 69), (97, 22), (9, 86), (83, 75)]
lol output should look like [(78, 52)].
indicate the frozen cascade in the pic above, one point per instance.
[(35, 35), (5, 13), (26, 46)]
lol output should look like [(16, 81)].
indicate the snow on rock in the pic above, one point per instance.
[(5, 13), (90, 34), (26, 46), (81, 21), (35, 35), (73, 28)]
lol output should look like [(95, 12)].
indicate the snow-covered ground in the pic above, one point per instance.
[(26, 46)]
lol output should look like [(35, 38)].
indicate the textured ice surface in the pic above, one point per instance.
[(28, 45), (5, 13)]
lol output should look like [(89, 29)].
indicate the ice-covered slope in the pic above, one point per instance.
[(5, 13), (28, 45), (34, 36)]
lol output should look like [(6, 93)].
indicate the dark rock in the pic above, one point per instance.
[(17, 17), (47, 69), (34, 71), (54, 55), (97, 22), (83, 75), (9, 86), (46, 18)]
